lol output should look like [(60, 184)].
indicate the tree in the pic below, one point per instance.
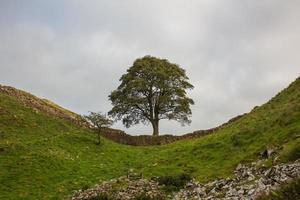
[(151, 90), (98, 121)]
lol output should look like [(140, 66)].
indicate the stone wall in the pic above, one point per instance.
[(121, 137)]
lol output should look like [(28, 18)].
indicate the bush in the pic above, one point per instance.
[(85, 186), (144, 196), (290, 191), (174, 183), (102, 196)]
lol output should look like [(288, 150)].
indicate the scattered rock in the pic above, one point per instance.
[(122, 189), (248, 183)]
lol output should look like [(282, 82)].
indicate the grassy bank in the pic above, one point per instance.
[(44, 157)]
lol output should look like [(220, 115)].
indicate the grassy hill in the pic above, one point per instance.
[(43, 156)]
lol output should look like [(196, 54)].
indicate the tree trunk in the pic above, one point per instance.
[(155, 127), (99, 141)]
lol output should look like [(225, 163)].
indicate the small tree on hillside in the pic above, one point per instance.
[(98, 121), (151, 90)]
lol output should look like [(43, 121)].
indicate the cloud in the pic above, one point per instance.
[(238, 54)]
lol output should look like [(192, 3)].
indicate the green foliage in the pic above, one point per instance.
[(144, 196), (98, 122), (151, 90), (174, 182), (291, 152), (290, 191), (102, 196), (45, 157), (85, 187)]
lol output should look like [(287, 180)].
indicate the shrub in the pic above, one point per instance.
[(290, 191), (144, 196), (85, 187), (175, 182), (102, 196)]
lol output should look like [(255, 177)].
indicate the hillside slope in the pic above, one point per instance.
[(43, 156)]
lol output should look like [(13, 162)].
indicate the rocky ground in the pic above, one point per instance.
[(249, 181), (122, 188)]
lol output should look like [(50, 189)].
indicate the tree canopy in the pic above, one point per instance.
[(151, 90), (98, 121)]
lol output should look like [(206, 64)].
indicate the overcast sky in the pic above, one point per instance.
[(238, 54)]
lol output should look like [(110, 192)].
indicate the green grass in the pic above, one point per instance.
[(55, 106), (289, 191), (43, 157)]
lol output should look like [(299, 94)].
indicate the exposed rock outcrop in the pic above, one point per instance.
[(122, 188), (250, 180), (248, 183)]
